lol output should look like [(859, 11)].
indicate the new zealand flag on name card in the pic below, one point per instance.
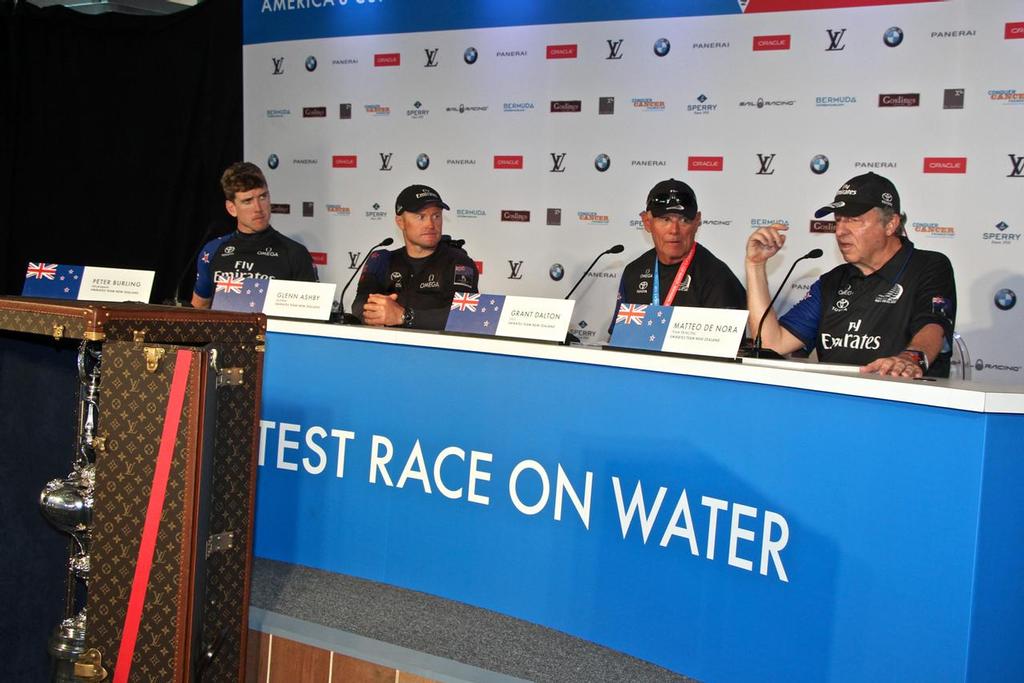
[(641, 326), (244, 295), (52, 281), (475, 313)]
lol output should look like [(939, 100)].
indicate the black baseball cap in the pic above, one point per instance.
[(672, 196), (415, 197), (861, 194)]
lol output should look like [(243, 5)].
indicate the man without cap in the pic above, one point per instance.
[(890, 308), (678, 271), (413, 286), (254, 249)]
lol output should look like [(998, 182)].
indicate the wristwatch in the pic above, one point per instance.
[(408, 316), (916, 356)]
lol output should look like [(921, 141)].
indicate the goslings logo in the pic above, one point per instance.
[(705, 163), (515, 216), (314, 112), (387, 59), (602, 162), (344, 161), (823, 226), (278, 66), (573, 106), (945, 164), (281, 208), (662, 47), (819, 164), (508, 161), (431, 57), (910, 99), (835, 40), (561, 51), (558, 162), (614, 49), (777, 42)]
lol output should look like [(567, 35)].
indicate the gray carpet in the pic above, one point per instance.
[(442, 628)]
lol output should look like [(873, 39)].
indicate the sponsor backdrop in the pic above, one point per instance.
[(543, 125)]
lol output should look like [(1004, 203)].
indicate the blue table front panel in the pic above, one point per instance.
[(881, 502)]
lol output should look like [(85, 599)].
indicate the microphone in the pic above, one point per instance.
[(176, 301), (617, 249), (757, 351), (345, 318)]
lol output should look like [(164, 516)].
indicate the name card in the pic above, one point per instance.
[(519, 317), (679, 329), (279, 298), (87, 283)]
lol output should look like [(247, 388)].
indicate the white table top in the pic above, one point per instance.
[(837, 379)]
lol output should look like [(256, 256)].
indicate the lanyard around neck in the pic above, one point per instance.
[(683, 267)]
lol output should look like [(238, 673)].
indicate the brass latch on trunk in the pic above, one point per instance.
[(219, 542), (89, 666), (231, 377), (58, 332), (153, 356)]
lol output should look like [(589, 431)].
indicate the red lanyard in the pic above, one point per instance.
[(680, 274)]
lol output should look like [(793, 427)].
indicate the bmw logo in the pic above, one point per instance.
[(893, 36), (819, 164), (556, 271), (979, 365), (602, 162), (470, 55), (273, 162), (760, 103), (422, 161), (311, 63), (1005, 299), (662, 46)]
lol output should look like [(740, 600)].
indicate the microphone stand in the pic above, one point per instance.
[(570, 338), (341, 317), (756, 351)]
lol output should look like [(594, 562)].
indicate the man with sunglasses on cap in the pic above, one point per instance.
[(890, 308), (677, 271), (414, 286)]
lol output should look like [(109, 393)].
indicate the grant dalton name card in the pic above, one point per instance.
[(519, 317), (87, 283), (278, 298), (697, 331)]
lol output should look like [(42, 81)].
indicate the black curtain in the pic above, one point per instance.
[(114, 130)]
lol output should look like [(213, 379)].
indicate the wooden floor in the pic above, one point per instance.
[(273, 659)]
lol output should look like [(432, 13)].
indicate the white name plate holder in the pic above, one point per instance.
[(517, 317)]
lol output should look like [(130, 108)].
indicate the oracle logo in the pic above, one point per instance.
[(479, 267), (319, 257), (344, 161), (508, 161), (780, 42), (945, 164), (388, 59), (562, 51), (1014, 29), (705, 163)]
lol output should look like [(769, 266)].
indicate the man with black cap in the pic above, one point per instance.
[(890, 308), (678, 271), (414, 286)]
